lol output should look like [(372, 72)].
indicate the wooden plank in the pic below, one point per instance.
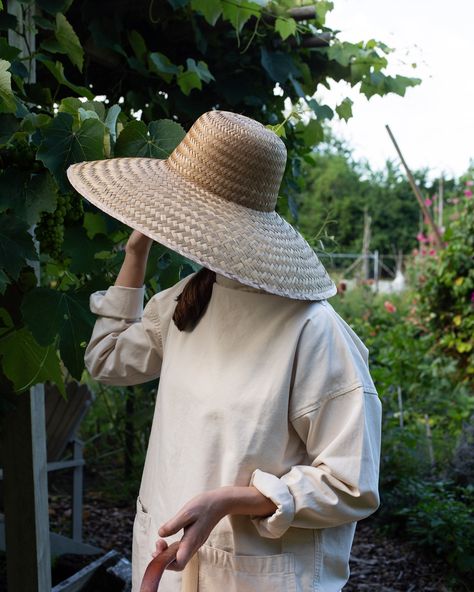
[(26, 495), (77, 582), (60, 544)]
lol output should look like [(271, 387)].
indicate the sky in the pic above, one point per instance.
[(434, 122)]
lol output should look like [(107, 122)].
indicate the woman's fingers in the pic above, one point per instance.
[(176, 523), (188, 546), (161, 545)]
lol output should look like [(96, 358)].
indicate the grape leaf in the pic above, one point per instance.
[(16, 245), (62, 313), (188, 80), (82, 249), (27, 195), (61, 146), (27, 363), (138, 44), (311, 132), (321, 111), (322, 8), (285, 27), (278, 65), (57, 70), (111, 122), (238, 15), (210, 9), (200, 68), (156, 141), (69, 41), (344, 109), (162, 65), (7, 100)]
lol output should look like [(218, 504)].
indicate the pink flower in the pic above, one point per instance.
[(472, 297), (432, 252), (423, 251), (422, 238), (455, 200), (415, 252), (469, 183), (468, 193), (428, 201), (389, 307)]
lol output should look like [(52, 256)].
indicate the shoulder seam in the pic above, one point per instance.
[(334, 394)]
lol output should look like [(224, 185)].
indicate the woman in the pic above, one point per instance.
[(265, 445)]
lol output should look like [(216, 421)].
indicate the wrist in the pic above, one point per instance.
[(138, 253), (132, 272), (245, 500)]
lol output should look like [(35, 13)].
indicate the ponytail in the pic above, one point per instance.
[(193, 300)]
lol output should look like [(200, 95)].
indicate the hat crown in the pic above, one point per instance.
[(234, 157)]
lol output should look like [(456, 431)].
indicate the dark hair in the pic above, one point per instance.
[(193, 300)]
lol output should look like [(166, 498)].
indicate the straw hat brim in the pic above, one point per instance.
[(255, 247)]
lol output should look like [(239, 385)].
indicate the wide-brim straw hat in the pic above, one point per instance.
[(213, 200)]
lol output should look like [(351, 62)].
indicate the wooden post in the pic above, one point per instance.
[(429, 440), (366, 244), (416, 191), (400, 405), (376, 270), (77, 492), (26, 495), (441, 202), (25, 462)]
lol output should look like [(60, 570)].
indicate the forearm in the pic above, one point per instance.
[(132, 272), (246, 501)]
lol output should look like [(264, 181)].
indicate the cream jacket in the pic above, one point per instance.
[(267, 391)]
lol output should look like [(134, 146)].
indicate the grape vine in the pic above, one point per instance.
[(50, 229)]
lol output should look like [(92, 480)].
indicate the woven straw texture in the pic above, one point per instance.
[(213, 200)]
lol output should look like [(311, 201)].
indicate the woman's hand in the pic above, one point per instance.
[(201, 514), (198, 517), (138, 244), (133, 270)]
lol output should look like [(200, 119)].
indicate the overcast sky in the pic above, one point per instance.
[(434, 122)]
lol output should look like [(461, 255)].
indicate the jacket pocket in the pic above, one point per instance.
[(143, 543), (222, 571)]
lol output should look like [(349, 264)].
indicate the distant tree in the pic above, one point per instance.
[(338, 188)]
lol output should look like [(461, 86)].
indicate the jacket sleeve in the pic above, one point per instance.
[(337, 414), (125, 347)]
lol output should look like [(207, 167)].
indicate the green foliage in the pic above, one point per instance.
[(425, 384), (7, 99), (65, 141), (24, 361), (446, 289), (157, 140), (180, 59), (16, 246), (337, 187), (436, 515), (64, 318)]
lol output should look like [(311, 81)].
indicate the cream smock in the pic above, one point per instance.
[(268, 391)]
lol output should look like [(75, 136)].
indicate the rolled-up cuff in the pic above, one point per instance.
[(270, 486), (119, 302)]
